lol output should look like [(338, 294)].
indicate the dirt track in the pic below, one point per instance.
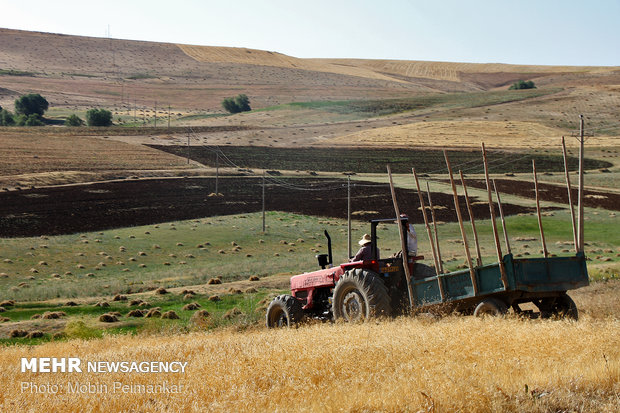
[(77, 208), (554, 193)]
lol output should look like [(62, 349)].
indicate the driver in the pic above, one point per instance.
[(365, 252)]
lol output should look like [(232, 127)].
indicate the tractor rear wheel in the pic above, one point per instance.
[(284, 311), (490, 307), (359, 296)]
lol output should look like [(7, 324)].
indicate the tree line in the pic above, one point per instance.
[(30, 108)]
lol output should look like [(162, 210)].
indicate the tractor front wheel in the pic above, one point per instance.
[(284, 311), (359, 296)]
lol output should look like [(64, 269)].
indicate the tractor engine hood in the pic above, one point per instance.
[(321, 278)]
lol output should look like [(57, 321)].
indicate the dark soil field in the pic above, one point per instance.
[(374, 160), (553, 193), (76, 208)]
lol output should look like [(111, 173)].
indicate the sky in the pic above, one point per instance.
[(533, 32)]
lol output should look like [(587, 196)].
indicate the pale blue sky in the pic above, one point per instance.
[(551, 32)]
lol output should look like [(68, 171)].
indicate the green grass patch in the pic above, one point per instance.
[(11, 72), (138, 76), (383, 107)]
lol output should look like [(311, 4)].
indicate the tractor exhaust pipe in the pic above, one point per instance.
[(326, 260), (329, 247)]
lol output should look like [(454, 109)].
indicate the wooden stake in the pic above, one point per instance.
[(430, 235), (403, 245), (498, 247), (430, 203), (457, 206), (580, 228), (501, 215), (542, 233), (471, 218), (570, 196)]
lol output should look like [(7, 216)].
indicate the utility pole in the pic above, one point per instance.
[(349, 216), (263, 201), (217, 171), (188, 148), (580, 207)]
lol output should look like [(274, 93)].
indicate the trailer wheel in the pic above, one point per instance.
[(490, 307), (561, 306), (359, 296), (284, 311)]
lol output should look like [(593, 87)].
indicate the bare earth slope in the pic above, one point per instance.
[(76, 70)]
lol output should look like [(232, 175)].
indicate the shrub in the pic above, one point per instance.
[(33, 120), (522, 85), (240, 103), (74, 120), (99, 117), (30, 104), (6, 118)]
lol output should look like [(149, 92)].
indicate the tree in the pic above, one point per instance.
[(99, 117), (74, 120), (6, 118), (240, 103), (243, 103), (32, 103), (522, 85)]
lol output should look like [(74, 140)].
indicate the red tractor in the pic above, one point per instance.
[(353, 291)]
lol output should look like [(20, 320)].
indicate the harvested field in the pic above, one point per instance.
[(23, 153), (69, 209)]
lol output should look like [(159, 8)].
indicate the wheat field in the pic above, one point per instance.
[(420, 364), (465, 134)]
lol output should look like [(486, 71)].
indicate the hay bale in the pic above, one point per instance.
[(5, 275), (153, 312), (232, 313), (143, 304), (191, 306), (116, 313), (215, 298), (199, 315), (7, 303), (161, 291), (135, 313), (141, 253), (4, 319), (119, 297), (35, 334), (18, 333), (71, 304), (108, 318), (102, 304), (2, 309), (188, 297), (251, 290), (35, 316), (254, 278), (53, 315), (170, 315), (186, 292), (234, 291), (135, 302), (214, 281)]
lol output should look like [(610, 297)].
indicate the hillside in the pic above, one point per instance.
[(80, 71)]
